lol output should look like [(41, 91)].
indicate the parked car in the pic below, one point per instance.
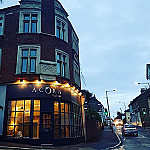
[(129, 129)]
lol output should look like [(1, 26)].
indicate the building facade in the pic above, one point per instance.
[(40, 75), (140, 109)]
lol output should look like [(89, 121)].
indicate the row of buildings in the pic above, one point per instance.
[(40, 90), (139, 109)]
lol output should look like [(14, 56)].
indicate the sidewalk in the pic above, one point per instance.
[(146, 129), (107, 139)]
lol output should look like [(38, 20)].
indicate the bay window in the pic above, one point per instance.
[(70, 123)]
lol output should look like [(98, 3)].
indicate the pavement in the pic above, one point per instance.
[(108, 140), (147, 129)]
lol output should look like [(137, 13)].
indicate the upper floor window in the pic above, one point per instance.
[(62, 64), (30, 22), (75, 42), (1, 24), (58, 29), (28, 59), (61, 29), (76, 74)]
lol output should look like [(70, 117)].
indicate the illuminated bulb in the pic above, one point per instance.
[(73, 88), (67, 85), (38, 82), (56, 83), (80, 93), (76, 91)]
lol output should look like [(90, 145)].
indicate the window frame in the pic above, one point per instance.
[(25, 122), (30, 21), (20, 57), (72, 123), (2, 24), (63, 29), (64, 64), (77, 74)]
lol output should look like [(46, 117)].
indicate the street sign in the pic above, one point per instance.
[(147, 71)]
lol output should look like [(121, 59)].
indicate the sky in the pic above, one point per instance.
[(114, 46)]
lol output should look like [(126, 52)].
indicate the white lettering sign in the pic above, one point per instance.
[(47, 90)]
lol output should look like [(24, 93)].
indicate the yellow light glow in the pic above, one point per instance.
[(67, 85), (80, 93), (77, 91), (56, 83), (73, 88)]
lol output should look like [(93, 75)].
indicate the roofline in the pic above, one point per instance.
[(9, 7)]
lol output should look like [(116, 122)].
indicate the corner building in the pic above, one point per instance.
[(40, 96)]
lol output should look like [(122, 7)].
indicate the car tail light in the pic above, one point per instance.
[(135, 128)]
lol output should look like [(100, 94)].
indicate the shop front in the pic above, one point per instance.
[(43, 114)]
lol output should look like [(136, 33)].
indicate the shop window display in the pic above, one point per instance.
[(19, 118)]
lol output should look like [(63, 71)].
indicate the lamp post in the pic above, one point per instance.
[(108, 103), (137, 83)]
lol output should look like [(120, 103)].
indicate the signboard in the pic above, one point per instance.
[(147, 71), (43, 91)]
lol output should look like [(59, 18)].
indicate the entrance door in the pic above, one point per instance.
[(47, 128)]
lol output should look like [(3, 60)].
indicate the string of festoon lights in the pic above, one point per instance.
[(38, 82)]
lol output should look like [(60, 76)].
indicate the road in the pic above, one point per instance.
[(142, 142)]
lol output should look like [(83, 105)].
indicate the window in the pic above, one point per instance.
[(75, 42), (19, 120), (70, 122), (62, 64), (28, 59), (63, 32), (76, 74), (30, 22), (61, 29), (56, 120), (28, 56), (1, 24), (58, 28)]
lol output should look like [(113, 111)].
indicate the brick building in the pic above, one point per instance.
[(39, 75)]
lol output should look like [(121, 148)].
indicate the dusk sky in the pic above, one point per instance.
[(114, 45)]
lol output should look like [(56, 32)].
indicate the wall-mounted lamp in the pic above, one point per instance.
[(39, 80), (21, 80)]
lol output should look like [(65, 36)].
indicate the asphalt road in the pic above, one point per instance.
[(142, 142)]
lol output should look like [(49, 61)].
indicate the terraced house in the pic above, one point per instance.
[(40, 85)]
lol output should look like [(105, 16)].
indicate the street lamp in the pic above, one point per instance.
[(108, 101), (137, 83), (124, 104)]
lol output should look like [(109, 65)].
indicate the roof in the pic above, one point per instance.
[(143, 95)]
